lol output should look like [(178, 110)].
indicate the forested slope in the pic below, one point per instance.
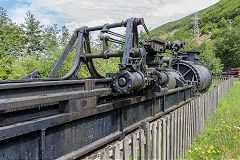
[(215, 16), (216, 41)]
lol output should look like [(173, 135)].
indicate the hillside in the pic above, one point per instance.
[(219, 46), (215, 16)]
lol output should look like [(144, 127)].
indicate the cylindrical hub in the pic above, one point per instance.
[(195, 72), (159, 78), (128, 81)]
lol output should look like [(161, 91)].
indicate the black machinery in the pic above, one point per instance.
[(133, 75), (141, 60), (69, 116)]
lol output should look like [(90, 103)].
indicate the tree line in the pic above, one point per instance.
[(32, 46), (27, 47), (30, 37)]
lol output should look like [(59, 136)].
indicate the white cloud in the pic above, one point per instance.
[(76, 13), (18, 13)]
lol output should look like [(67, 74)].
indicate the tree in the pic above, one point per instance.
[(223, 23), (11, 36), (33, 34), (50, 37), (4, 19), (228, 47), (65, 36), (208, 57)]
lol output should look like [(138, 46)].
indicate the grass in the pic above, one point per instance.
[(220, 138)]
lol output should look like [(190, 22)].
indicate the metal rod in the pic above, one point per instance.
[(113, 25), (63, 55), (77, 61), (116, 34), (116, 41), (166, 59), (32, 75), (145, 27), (101, 55)]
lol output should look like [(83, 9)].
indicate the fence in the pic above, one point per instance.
[(171, 136)]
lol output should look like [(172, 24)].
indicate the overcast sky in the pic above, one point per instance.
[(76, 13)]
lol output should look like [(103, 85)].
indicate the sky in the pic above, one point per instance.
[(77, 13)]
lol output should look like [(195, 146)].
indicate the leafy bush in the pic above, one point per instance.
[(24, 65), (5, 68)]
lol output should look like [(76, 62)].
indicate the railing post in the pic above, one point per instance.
[(175, 134), (184, 130), (181, 131), (159, 143), (164, 143), (116, 153), (192, 109), (154, 140), (189, 124), (141, 144), (134, 146), (126, 153), (178, 137), (105, 155), (146, 127), (172, 135), (168, 136)]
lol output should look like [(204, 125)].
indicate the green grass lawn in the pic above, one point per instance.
[(220, 138)]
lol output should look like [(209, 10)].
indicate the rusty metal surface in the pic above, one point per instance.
[(76, 126)]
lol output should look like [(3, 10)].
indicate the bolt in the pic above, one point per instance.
[(122, 81), (84, 104)]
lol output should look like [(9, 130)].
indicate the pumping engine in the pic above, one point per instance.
[(66, 117), (141, 61)]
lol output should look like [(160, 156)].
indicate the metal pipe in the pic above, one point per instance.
[(170, 62), (113, 25), (166, 59), (101, 55)]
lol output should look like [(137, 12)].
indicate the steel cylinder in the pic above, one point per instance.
[(194, 72), (127, 81), (158, 77)]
